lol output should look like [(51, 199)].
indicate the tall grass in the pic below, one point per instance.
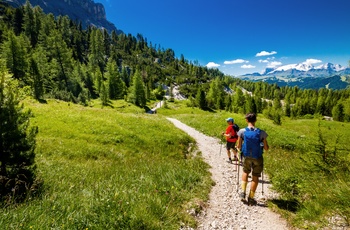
[(314, 190), (107, 169)]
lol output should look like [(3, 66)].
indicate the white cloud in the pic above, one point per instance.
[(212, 65), (264, 61), (237, 61), (311, 61), (247, 67), (274, 64), (265, 53)]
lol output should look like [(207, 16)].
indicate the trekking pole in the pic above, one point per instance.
[(262, 182), (237, 160), (220, 146), (239, 163)]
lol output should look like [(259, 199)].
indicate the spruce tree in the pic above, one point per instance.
[(138, 95), (37, 80), (14, 52), (338, 112), (200, 98), (17, 144)]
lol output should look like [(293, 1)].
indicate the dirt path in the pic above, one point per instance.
[(225, 210)]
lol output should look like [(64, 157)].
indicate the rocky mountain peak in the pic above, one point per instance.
[(86, 11)]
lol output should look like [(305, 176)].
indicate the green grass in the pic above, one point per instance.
[(118, 168), (110, 168), (312, 189)]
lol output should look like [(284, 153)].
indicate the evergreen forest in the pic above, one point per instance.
[(57, 58)]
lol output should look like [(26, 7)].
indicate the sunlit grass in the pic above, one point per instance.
[(107, 169)]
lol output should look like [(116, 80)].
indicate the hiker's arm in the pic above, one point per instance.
[(239, 143), (266, 145)]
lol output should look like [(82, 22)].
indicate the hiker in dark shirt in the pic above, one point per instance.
[(251, 141)]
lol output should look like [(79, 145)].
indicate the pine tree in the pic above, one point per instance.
[(14, 52), (17, 143), (104, 94), (37, 79), (287, 109), (29, 23), (61, 59), (138, 96), (116, 87), (200, 99), (338, 112)]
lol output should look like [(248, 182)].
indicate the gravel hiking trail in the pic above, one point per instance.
[(224, 209)]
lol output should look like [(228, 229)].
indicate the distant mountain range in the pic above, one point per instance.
[(86, 11), (305, 76)]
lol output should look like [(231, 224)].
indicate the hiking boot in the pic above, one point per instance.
[(252, 201), (242, 196), (229, 160), (235, 158)]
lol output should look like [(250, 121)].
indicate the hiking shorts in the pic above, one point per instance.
[(256, 166), (230, 145)]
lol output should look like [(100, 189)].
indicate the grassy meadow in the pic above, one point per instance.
[(109, 168), (119, 168), (308, 163)]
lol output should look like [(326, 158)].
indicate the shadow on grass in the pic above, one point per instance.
[(209, 110), (288, 205), (42, 101)]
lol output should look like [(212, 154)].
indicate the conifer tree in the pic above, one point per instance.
[(37, 80), (138, 96), (238, 100), (14, 52), (96, 55), (17, 143), (228, 101), (116, 87), (104, 94), (200, 98), (61, 59), (29, 23), (287, 109), (338, 112)]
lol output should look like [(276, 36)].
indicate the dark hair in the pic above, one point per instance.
[(251, 117)]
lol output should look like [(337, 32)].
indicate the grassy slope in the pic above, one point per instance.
[(313, 190), (120, 168), (109, 169)]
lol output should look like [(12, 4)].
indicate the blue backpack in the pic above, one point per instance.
[(251, 145)]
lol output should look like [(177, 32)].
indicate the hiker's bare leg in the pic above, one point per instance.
[(235, 152), (254, 183), (229, 153), (245, 177), (244, 182)]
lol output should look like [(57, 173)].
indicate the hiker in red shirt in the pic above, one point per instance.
[(231, 138)]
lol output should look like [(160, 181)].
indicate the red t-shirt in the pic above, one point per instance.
[(230, 130)]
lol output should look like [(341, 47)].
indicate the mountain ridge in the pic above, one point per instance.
[(86, 11), (303, 70), (304, 75)]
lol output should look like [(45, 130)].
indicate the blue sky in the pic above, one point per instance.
[(241, 36)]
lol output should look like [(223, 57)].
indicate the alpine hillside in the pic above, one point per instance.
[(85, 11), (304, 75)]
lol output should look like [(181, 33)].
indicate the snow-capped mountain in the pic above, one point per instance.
[(302, 73), (302, 70), (305, 69)]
